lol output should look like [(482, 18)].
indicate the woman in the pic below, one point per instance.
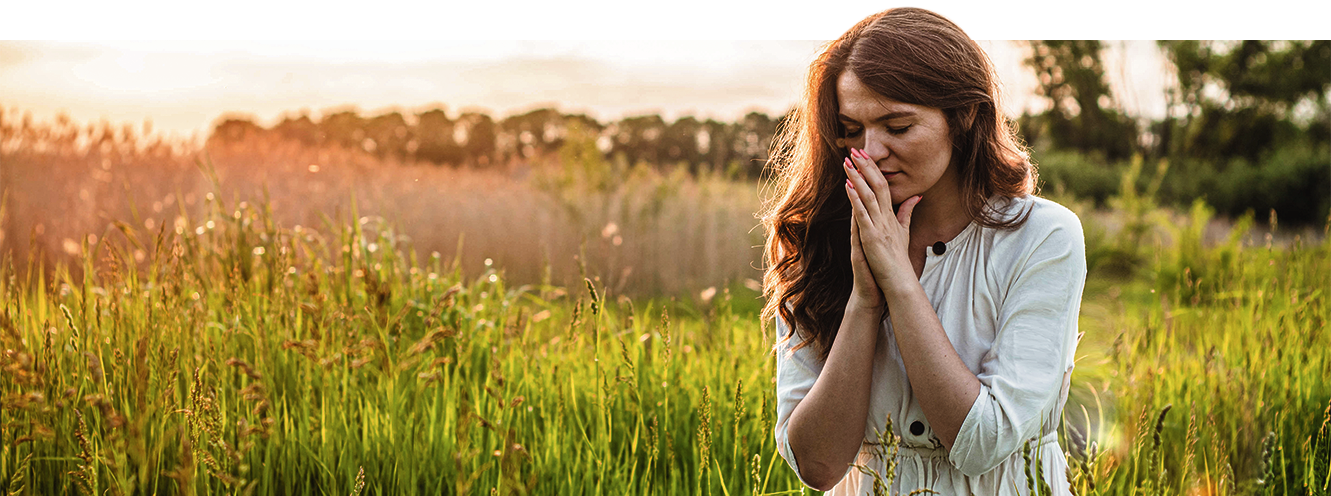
[(913, 277)]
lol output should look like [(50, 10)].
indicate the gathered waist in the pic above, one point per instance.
[(927, 451)]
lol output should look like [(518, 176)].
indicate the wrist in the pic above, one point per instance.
[(861, 303), (894, 288)]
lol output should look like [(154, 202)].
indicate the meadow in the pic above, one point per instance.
[(260, 338)]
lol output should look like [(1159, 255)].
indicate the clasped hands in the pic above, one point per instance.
[(879, 234)]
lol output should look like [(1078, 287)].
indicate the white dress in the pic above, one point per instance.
[(1008, 301)]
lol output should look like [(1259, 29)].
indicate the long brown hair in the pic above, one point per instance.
[(910, 55)]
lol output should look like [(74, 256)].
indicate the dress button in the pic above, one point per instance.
[(917, 428), (939, 248)]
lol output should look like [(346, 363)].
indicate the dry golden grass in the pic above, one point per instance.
[(637, 229)]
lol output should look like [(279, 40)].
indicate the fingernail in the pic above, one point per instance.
[(850, 184), (847, 163), (855, 152), (851, 166)]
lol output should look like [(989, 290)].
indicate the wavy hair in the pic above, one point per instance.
[(910, 55)]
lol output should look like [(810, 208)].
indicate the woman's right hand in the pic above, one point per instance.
[(865, 293)]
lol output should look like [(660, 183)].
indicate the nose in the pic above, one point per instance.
[(875, 144)]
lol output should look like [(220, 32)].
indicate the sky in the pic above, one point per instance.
[(707, 59)]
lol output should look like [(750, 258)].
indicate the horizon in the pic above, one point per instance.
[(185, 88)]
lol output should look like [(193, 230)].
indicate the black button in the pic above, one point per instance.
[(939, 248), (917, 428)]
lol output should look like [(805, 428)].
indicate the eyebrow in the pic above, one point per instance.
[(885, 117)]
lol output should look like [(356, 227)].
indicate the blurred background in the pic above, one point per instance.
[(638, 162)]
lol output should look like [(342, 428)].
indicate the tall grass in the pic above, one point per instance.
[(1207, 370), (255, 358), (226, 350)]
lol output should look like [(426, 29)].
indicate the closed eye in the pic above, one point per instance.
[(895, 131)]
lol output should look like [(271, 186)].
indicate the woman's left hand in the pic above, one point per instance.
[(884, 231)]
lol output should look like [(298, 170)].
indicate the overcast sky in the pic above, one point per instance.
[(602, 58)]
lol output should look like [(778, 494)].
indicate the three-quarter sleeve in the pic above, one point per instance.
[(1023, 372), (796, 371)]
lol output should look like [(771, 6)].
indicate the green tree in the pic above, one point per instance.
[(1249, 126), (1246, 98), (680, 143), (1083, 114), (716, 143), (752, 141), (639, 138)]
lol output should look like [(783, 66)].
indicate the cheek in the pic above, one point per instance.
[(925, 150), (945, 157), (939, 152)]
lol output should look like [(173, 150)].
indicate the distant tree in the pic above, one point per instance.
[(300, 129), (585, 122), (434, 133), (1241, 99), (478, 134), (474, 138), (387, 135), (680, 142), (538, 132), (755, 135), (345, 128), (1083, 114), (235, 130), (717, 143), (639, 138)]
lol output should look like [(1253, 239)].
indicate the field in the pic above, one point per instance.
[(243, 343)]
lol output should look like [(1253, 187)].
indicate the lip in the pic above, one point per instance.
[(890, 175)]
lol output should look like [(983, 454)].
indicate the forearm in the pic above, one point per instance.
[(932, 364), (826, 429)]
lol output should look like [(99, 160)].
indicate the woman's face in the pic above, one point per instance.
[(910, 143)]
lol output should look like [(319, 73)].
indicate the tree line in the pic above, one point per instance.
[(476, 139), (1247, 128)]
